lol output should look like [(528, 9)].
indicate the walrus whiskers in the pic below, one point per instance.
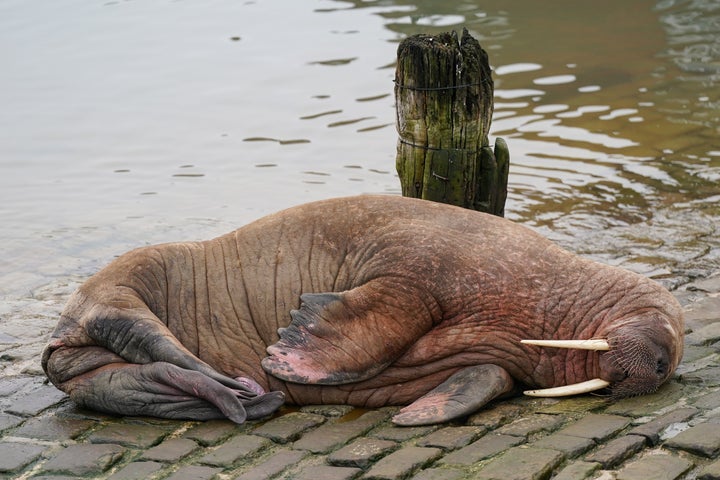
[(566, 390), (592, 344)]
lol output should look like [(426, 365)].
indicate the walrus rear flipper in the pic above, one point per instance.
[(339, 338), (462, 394), (156, 389)]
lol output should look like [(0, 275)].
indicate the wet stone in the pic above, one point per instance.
[(496, 416), (84, 459), (709, 285), (579, 404), (709, 401), (14, 456), (617, 451), (655, 466), (667, 395), (332, 435), (521, 463), (401, 434), (692, 354), (361, 453), (289, 427), (654, 428), (36, 401), (53, 428), (702, 439), (234, 450), (8, 339), (323, 472), (50, 477), (481, 449), (439, 474), (13, 384), (72, 410), (212, 432), (273, 465), (451, 438), (567, 444), (129, 434), (333, 411), (577, 471), (707, 377), (166, 423), (401, 463), (9, 421), (170, 450), (703, 311), (137, 471), (704, 335), (710, 472), (194, 472), (529, 425), (596, 427)]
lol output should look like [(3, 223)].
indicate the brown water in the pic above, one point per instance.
[(126, 123)]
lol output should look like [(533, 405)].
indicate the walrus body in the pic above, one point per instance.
[(368, 301)]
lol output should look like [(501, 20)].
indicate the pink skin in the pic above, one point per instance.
[(251, 385), (400, 296)]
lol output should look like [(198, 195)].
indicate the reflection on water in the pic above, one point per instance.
[(613, 148), (123, 131)]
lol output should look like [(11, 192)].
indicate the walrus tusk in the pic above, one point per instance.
[(592, 344), (565, 390)]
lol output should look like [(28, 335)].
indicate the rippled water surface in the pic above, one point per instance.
[(128, 122)]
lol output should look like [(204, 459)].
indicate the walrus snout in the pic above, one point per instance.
[(636, 364), (634, 360)]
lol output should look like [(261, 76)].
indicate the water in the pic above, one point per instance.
[(127, 123)]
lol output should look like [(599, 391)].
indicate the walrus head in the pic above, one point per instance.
[(635, 357)]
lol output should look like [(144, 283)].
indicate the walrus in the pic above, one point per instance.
[(367, 301)]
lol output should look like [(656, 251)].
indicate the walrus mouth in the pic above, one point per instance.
[(575, 388)]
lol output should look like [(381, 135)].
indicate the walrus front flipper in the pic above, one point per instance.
[(338, 338), (462, 394), (158, 389)]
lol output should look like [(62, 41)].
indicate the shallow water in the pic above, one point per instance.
[(126, 123)]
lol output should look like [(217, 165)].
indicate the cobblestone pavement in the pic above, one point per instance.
[(673, 434)]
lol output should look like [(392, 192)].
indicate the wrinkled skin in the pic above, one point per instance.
[(403, 301)]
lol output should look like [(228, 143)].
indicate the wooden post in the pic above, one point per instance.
[(444, 102)]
